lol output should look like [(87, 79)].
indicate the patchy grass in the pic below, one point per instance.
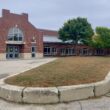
[(64, 71)]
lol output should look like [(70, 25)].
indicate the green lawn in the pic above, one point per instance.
[(64, 71)]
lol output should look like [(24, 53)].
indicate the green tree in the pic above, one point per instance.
[(96, 42), (76, 30), (102, 38)]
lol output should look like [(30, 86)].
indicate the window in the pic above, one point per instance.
[(54, 51), (99, 52), (47, 51), (63, 51), (15, 34), (73, 51), (83, 51), (50, 51), (67, 51), (33, 51)]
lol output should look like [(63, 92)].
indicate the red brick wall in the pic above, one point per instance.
[(10, 20), (60, 46)]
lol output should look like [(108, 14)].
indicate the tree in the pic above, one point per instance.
[(96, 42), (76, 30), (102, 38)]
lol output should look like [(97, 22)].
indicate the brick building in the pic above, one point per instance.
[(20, 39), (55, 47)]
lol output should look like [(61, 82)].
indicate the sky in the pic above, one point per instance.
[(51, 14)]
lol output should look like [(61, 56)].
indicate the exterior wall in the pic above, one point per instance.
[(10, 20), (25, 55), (2, 56), (39, 55), (28, 55), (79, 50)]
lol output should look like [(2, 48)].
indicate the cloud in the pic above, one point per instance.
[(53, 13)]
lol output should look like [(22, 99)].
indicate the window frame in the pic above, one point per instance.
[(15, 34)]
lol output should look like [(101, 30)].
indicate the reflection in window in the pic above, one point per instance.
[(50, 51), (15, 34), (67, 51)]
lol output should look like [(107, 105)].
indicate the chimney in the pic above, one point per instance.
[(25, 15), (5, 12)]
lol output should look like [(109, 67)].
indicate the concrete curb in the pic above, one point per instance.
[(11, 93), (40, 95), (102, 88), (49, 95), (78, 92)]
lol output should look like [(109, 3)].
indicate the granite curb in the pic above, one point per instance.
[(40, 95)]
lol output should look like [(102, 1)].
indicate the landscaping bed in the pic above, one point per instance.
[(64, 71)]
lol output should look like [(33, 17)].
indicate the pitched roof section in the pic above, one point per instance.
[(50, 36), (51, 39), (49, 32)]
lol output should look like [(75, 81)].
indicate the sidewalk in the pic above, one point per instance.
[(93, 104), (10, 67)]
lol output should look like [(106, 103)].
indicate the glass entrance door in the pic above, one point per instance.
[(12, 52)]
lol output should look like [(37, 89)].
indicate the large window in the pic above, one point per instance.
[(15, 34), (99, 52), (67, 51), (54, 51), (63, 51), (84, 51), (50, 51), (47, 50)]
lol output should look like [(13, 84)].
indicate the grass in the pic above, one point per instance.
[(64, 71)]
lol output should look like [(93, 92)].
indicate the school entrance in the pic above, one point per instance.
[(12, 52)]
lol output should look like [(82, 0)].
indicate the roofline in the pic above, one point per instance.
[(47, 30)]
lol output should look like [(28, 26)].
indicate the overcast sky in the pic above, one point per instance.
[(51, 14)]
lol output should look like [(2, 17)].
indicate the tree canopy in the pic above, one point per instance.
[(102, 38), (76, 30)]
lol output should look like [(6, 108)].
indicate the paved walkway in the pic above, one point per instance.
[(16, 66), (93, 104), (11, 67)]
